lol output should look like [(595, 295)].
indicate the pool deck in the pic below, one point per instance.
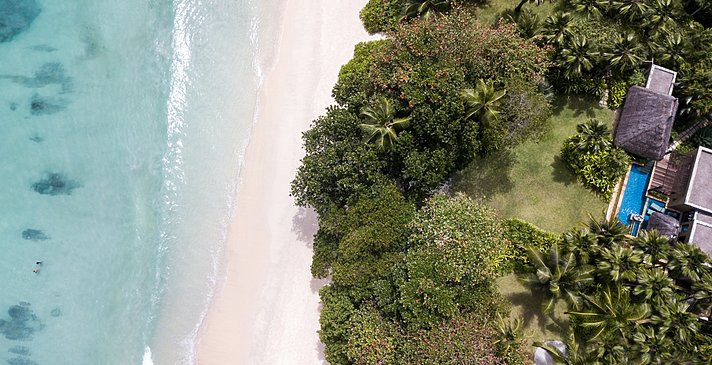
[(619, 192)]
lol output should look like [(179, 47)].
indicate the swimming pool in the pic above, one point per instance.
[(633, 200)]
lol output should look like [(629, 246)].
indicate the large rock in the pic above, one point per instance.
[(542, 357)]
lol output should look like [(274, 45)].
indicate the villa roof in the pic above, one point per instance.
[(665, 225), (661, 80), (701, 232), (645, 123), (699, 190)]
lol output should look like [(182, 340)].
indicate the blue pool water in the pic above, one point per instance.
[(634, 195)]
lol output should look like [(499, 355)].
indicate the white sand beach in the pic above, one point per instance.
[(266, 310)]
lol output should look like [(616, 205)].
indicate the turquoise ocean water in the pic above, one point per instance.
[(122, 129)]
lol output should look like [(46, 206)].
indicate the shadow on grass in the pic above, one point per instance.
[(561, 172), (579, 105), (487, 176), (528, 304)]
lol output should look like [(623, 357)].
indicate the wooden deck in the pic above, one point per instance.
[(670, 174)]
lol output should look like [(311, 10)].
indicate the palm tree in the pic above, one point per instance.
[(483, 100), (620, 262), (655, 247), (662, 15), (652, 346), (577, 56), (632, 9), (592, 8), (593, 136), (424, 8), (557, 27), (625, 53), (655, 286), (557, 275), (608, 231), (519, 6), (688, 263), (528, 23), (381, 124), (611, 311), (676, 318), (583, 243), (671, 49)]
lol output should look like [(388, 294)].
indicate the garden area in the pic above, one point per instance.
[(530, 181)]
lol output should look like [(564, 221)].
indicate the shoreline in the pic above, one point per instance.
[(265, 309)]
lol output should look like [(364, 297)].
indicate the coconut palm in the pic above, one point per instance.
[(676, 318), (662, 15), (625, 53), (671, 49), (381, 124), (654, 286), (577, 56), (655, 247), (557, 28), (592, 8), (424, 8), (593, 136), (688, 263), (620, 263), (608, 231), (583, 243), (611, 311), (652, 346), (528, 23), (557, 275), (632, 9), (482, 101)]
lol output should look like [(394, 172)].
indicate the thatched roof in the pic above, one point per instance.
[(646, 122), (665, 225)]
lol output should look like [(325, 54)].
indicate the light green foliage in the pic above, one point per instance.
[(595, 162), (617, 93), (520, 235), (456, 250)]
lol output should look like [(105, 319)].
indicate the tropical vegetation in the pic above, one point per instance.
[(414, 267)]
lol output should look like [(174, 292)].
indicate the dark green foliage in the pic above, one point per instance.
[(703, 137), (520, 235), (645, 301), (379, 16), (464, 340), (336, 312), (373, 339), (526, 109), (371, 237), (337, 165), (594, 160), (456, 249), (353, 86)]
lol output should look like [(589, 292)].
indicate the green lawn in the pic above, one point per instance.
[(531, 182), (526, 305)]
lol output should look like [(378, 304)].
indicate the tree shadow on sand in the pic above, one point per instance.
[(305, 224), (487, 176)]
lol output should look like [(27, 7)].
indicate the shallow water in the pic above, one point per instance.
[(122, 128)]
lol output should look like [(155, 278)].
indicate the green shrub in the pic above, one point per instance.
[(379, 16), (597, 171), (617, 91), (520, 234)]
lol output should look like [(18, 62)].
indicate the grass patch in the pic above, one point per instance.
[(531, 182), (537, 325)]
